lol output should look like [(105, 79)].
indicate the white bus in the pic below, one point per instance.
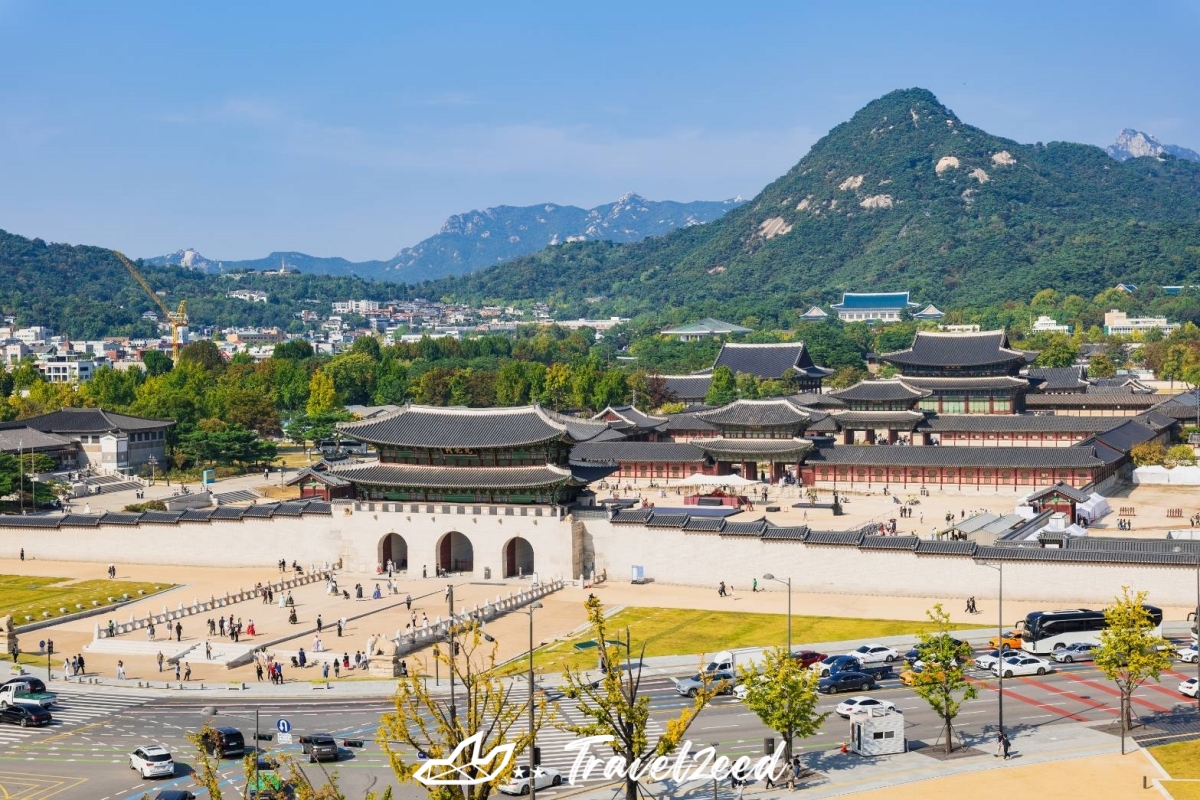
[(1044, 631)]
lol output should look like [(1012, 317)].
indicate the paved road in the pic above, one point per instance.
[(84, 754)]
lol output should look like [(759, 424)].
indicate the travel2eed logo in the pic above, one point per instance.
[(704, 764)]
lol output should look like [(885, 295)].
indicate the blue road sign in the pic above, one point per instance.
[(283, 726)]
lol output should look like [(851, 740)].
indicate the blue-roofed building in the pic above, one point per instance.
[(873, 306)]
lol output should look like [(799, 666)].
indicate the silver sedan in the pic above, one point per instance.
[(1079, 651)]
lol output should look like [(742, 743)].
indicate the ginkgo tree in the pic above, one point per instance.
[(483, 714), (784, 696), (942, 680), (615, 707), (1131, 650)]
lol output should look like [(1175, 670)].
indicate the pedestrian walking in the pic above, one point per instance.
[(160, 660), (22, 553), (320, 624), (179, 631), (120, 670), (325, 670), (337, 668), (258, 670), (754, 586), (187, 671), (176, 670), (408, 602), (721, 589), (339, 628), (150, 631), (207, 651), (221, 625)]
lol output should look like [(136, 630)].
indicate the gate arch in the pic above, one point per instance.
[(455, 553), (393, 547), (518, 558)]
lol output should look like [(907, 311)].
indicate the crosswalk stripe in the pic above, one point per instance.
[(73, 709)]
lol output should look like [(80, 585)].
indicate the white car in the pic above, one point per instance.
[(1188, 688), (988, 659), (152, 761), (862, 701), (1023, 665), (874, 653), (543, 777), (1187, 654)]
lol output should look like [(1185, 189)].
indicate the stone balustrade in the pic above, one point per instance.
[(198, 606), (438, 629)]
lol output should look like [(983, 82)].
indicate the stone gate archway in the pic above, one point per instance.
[(518, 558), (393, 547), (455, 553)]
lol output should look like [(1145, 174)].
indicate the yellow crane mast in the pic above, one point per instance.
[(178, 319)]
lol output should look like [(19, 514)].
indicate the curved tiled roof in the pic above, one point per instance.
[(724, 449), (880, 392), (408, 475), (778, 411), (431, 426), (944, 349), (687, 386), (981, 382), (93, 420), (1059, 379), (769, 361), (905, 419), (1018, 423), (626, 452), (983, 457), (1093, 400)]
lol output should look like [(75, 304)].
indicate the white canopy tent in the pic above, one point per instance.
[(1095, 508), (699, 479)]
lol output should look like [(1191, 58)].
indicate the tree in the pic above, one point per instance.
[(205, 353), (157, 362), (943, 682), (482, 708), (1148, 454), (615, 706), (1180, 455), (1059, 351), (1131, 650), (723, 388), (1101, 366), (784, 696), (322, 396), (293, 350)]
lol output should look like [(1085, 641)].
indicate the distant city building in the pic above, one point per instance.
[(108, 440), (873, 306), (929, 313), (594, 324), (34, 333), (255, 336), (704, 328), (1118, 323), (66, 369), (814, 314), (355, 306), (249, 295), (1046, 324)]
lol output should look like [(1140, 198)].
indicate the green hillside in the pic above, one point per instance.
[(869, 209)]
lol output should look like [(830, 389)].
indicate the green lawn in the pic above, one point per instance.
[(673, 631), (1180, 760), (25, 596)]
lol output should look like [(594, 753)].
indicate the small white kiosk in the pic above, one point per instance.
[(877, 732)]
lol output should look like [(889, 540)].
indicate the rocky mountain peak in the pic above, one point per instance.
[(1132, 143)]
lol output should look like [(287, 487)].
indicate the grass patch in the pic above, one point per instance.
[(35, 596), (675, 631), (1183, 791), (276, 492), (1179, 759)]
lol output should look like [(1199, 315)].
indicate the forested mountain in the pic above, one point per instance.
[(1136, 144), (902, 196), (86, 293), (480, 239)]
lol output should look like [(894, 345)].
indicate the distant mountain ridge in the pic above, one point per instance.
[(904, 196), (1136, 144), (480, 239)]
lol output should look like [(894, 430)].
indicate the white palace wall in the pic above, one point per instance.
[(565, 547)]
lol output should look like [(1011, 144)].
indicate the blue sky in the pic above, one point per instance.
[(241, 128)]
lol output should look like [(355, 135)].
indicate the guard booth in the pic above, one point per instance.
[(877, 732)]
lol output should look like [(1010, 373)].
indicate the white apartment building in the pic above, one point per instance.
[(355, 306), (67, 369), (1046, 324), (1118, 323), (34, 333)]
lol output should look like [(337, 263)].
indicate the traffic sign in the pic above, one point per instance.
[(283, 726), (284, 738)]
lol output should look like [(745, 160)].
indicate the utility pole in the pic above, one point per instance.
[(450, 600)]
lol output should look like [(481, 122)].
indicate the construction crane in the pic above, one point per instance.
[(178, 319)]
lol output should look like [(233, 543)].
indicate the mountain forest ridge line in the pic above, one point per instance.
[(903, 196), (483, 238)]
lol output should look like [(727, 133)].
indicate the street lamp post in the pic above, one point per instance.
[(715, 745), (769, 577), (532, 730), (999, 644), (212, 711), (450, 600), (153, 462)]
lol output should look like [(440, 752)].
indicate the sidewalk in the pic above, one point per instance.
[(1052, 755)]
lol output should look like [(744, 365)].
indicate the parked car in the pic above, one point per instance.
[(1188, 654), (874, 653), (225, 742), (860, 702), (988, 659), (25, 715), (1022, 665), (22, 692), (722, 682), (1011, 639), (1188, 687), (876, 671), (175, 794), (1078, 651), (831, 664), (808, 657), (319, 747), (543, 778), (914, 655), (722, 662), (846, 682), (152, 761), (909, 676)]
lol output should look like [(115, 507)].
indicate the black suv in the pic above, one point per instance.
[(226, 743), (319, 747)]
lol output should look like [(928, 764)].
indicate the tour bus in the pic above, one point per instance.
[(1044, 631)]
